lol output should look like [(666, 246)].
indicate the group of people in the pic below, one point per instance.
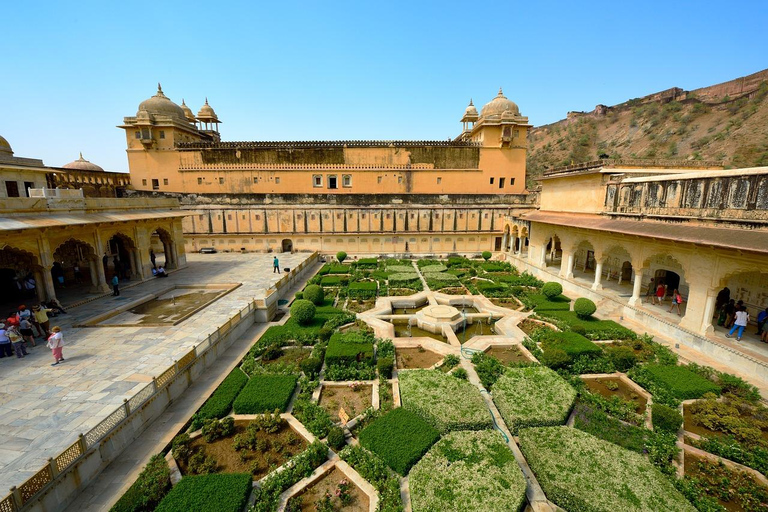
[(19, 328), (733, 315), (658, 291)]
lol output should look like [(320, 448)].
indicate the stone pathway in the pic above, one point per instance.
[(44, 408)]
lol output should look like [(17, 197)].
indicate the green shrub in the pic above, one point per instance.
[(215, 429), (220, 402), (555, 358), (311, 366), (265, 393), (584, 308), (460, 373), (336, 438), (152, 484), (666, 419), (367, 263), (303, 311), (348, 348), (541, 303), (385, 366), (496, 266), (623, 358), (315, 418), (681, 382), (362, 289), (333, 281), (552, 290), (595, 329), (487, 255), (209, 493), (573, 344), (375, 471), (315, 294), (341, 256), (489, 288), (400, 438), (299, 295), (488, 368)]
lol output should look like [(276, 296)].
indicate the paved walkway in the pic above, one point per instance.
[(44, 408)]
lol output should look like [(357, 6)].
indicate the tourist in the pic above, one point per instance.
[(41, 315), (152, 258), (660, 292), (764, 337), (17, 340), (55, 343), (651, 290), (740, 323), (115, 285), (6, 349), (25, 328), (56, 306), (762, 317), (30, 285), (33, 320), (677, 299), (161, 272), (78, 274), (58, 273), (723, 296), (275, 265), (23, 312), (730, 313)]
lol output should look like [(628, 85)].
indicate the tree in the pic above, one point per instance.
[(487, 255), (341, 256)]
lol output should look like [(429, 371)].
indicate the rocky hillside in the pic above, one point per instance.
[(704, 124)]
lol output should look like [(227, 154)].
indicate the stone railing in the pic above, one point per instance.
[(57, 483), (56, 192), (638, 162)]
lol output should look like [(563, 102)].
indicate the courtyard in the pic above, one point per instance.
[(43, 409)]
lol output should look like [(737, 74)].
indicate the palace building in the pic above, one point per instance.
[(389, 196)]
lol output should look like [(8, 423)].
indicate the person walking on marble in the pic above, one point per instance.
[(17, 340), (677, 299), (41, 315), (740, 323), (56, 343), (115, 285), (275, 265)]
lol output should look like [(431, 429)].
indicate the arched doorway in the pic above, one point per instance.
[(163, 243), (554, 252), (626, 272), (74, 265), (21, 278), (287, 245), (669, 278), (121, 261)]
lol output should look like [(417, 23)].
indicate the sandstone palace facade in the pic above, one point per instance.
[(390, 196)]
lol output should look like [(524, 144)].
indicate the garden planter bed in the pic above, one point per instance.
[(529, 325), (610, 386), (690, 424), (291, 356), (508, 354), (734, 487), (358, 306), (354, 402), (281, 446), (307, 499), (416, 357)]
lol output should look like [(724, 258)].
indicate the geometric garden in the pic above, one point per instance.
[(460, 384)]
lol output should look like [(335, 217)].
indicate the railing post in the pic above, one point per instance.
[(176, 367), (54, 468), (16, 494), (154, 384), (83, 444), (127, 407)]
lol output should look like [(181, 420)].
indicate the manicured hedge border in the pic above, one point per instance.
[(400, 438), (218, 492), (349, 348), (265, 393), (220, 402), (152, 484), (572, 343), (681, 382), (594, 329)]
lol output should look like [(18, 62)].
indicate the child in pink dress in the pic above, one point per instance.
[(55, 343)]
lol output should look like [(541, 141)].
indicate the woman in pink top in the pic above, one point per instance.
[(55, 343)]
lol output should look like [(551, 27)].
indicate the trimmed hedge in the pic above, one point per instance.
[(594, 329), (367, 263), (152, 484), (496, 266), (303, 311), (348, 348), (339, 269), (315, 294), (334, 280), (400, 438), (218, 492), (265, 393), (362, 289), (584, 308), (666, 419), (573, 344), (220, 402), (552, 290), (681, 382)]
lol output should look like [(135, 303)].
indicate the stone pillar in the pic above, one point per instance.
[(39, 289), (94, 276), (543, 258), (709, 313), (166, 253), (566, 271), (174, 258), (598, 275), (696, 308), (100, 273), (50, 291), (132, 262), (635, 300), (137, 262), (504, 239)]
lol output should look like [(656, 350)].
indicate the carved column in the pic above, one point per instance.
[(696, 309), (94, 275), (566, 270), (50, 291), (598, 274), (39, 289), (635, 300)]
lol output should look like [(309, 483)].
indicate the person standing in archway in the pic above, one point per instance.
[(105, 263), (740, 323), (275, 265), (115, 285), (677, 299), (661, 291), (152, 258)]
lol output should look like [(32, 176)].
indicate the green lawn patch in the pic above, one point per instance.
[(594, 328), (152, 484), (220, 402), (468, 471), (265, 393), (400, 438), (540, 302), (362, 289), (681, 382), (446, 402), (496, 266), (572, 343), (533, 396), (367, 263), (209, 493), (348, 348), (582, 473)]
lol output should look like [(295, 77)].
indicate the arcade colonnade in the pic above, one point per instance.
[(594, 258), (78, 253)]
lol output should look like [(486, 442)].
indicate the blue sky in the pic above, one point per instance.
[(348, 70)]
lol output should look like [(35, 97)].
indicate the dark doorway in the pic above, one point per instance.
[(590, 263), (287, 245), (669, 279), (12, 188), (497, 245), (28, 185), (626, 271)]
